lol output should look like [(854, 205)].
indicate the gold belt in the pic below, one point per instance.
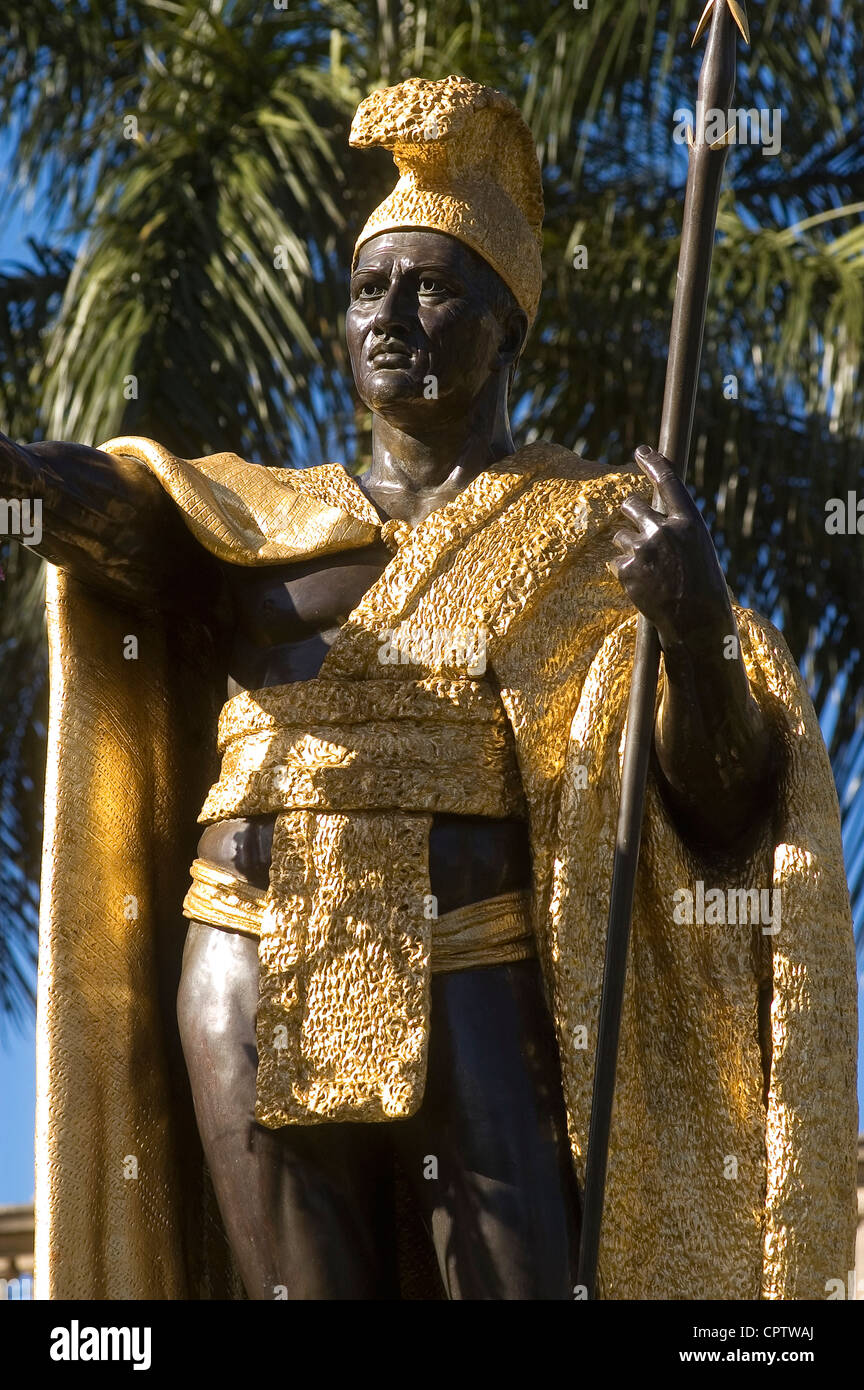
[(355, 771), (492, 932)]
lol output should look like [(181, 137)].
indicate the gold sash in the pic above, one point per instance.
[(492, 932), (355, 772)]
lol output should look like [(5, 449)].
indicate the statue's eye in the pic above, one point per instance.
[(429, 285), (369, 290)]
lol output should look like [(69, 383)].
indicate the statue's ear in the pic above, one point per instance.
[(514, 331)]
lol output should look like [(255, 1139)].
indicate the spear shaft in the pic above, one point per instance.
[(705, 171)]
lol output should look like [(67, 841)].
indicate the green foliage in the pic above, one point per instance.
[(196, 155)]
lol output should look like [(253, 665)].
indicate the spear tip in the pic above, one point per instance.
[(739, 14)]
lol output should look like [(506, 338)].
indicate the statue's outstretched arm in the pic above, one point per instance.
[(105, 519)]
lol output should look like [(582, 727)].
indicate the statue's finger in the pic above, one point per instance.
[(657, 467), (625, 541), (638, 510), (615, 566)]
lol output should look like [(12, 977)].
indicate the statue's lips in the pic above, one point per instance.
[(391, 360)]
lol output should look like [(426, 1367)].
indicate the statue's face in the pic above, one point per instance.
[(422, 328)]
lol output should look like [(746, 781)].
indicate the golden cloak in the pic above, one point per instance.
[(717, 1188)]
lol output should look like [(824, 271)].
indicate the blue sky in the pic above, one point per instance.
[(17, 1067), (18, 1092), (17, 1048)]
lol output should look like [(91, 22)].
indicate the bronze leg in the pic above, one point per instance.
[(487, 1153), (307, 1209)]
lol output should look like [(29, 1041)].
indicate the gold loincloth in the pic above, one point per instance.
[(495, 931), (355, 772)]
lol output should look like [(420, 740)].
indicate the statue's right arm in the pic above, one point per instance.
[(107, 520)]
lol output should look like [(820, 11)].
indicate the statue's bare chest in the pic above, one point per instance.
[(286, 617)]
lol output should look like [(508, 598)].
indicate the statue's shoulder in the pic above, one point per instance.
[(567, 498), (554, 464)]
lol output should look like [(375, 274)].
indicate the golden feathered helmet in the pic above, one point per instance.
[(467, 166)]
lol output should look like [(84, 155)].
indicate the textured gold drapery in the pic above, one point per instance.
[(355, 771), (528, 541)]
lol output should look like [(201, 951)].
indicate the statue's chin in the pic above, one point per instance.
[(389, 386)]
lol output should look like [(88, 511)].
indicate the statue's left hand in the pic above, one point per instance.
[(711, 741), (668, 565)]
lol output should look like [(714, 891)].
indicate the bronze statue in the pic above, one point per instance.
[(393, 951)]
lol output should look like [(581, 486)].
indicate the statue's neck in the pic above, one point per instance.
[(415, 471)]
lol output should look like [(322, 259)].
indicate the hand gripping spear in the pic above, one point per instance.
[(715, 91)]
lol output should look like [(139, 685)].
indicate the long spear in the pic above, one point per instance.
[(704, 175)]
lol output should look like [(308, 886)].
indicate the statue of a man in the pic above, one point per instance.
[(398, 899)]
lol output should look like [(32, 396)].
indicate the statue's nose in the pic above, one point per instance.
[(394, 310)]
